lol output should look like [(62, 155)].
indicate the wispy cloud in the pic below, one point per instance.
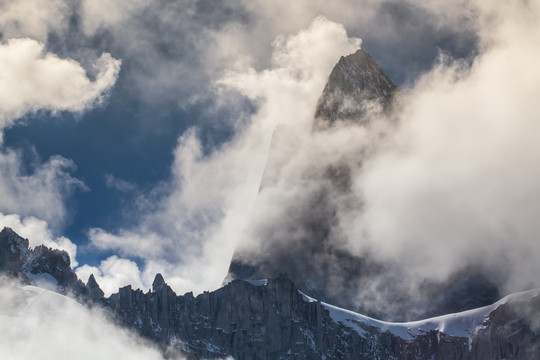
[(33, 80), (41, 191), (118, 184), (452, 185), (456, 184)]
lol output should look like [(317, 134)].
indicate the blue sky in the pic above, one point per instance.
[(150, 167)]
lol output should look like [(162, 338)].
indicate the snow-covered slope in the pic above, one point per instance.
[(40, 324), (462, 324)]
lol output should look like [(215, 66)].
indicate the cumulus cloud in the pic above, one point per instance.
[(465, 157), (449, 187), (38, 233), (404, 35), (37, 321), (112, 274), (32, 80), (197, 224)]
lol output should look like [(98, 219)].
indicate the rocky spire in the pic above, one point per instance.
[(92, 290), (356, 90), (158, 283), (356, 86)]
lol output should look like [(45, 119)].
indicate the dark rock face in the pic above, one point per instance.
[(13, 251), (512, 332), (310, 256), (92, 292), (44, 260), (18, 260), (271, 321)]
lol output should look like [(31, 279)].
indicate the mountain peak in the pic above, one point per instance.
[(356, 87), (158, 283), (92, 290)]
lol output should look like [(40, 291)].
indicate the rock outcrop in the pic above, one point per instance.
[(511, 332)]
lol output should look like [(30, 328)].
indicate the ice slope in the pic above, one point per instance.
[(462, 324)]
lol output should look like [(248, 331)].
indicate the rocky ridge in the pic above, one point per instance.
[(271, 319), (41, 265)]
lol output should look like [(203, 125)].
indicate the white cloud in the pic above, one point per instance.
[(454, 184), (32, 80), (112, 274), (38, 233), (36, 322), (457, 183), (191, 234)]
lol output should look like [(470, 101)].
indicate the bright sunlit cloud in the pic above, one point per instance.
[(37, 322)]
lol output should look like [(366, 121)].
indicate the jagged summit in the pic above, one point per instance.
[(356, 86), (158, 283), (92, 291)]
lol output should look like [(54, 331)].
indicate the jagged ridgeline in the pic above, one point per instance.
[(43, 267), (271, 319), (358, 93)]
